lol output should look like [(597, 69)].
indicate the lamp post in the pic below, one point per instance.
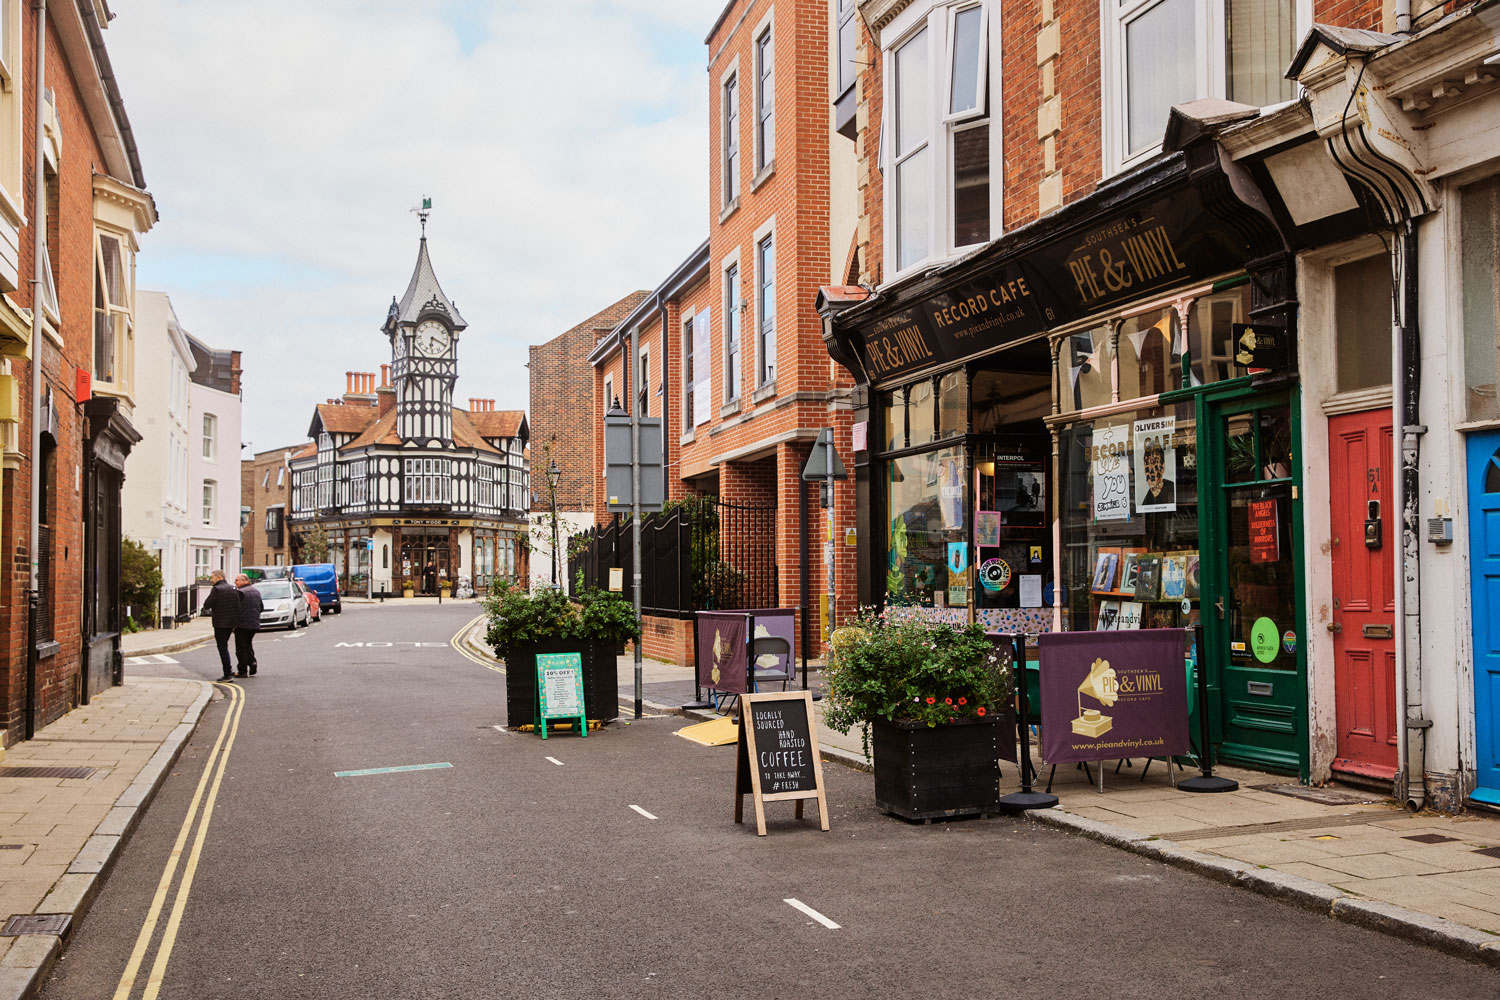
[(553, 475)]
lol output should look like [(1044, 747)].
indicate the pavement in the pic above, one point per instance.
[(1358, 857), (60, 836)]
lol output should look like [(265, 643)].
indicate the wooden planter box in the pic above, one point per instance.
[(601, 681), (926, 773)]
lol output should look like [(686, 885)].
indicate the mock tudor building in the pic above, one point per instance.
[(443, 492)]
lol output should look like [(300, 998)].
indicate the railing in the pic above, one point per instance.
[(702, 555)]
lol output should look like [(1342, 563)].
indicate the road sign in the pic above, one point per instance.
[(816, 467)]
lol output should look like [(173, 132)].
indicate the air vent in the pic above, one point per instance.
[(47, 772), (1431, 838), (37, 923)]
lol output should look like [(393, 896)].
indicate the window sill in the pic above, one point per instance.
[(765, 392), (765, 174), (730, 408), (49, 648), (729, 210), (688, 438)]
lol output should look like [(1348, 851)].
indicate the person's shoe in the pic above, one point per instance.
[(244, 674), (252, 671), (227, 679)]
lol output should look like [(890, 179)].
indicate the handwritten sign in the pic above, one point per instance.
[(559, 686), (1265, 532), (779, 758), (1111, 462)]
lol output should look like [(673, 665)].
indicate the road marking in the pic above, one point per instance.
[(498, 729), (150, 658), (458, 646), (159, 658), (643, 812), (797, 904), (389, 770), (555, 761), (214, 772)]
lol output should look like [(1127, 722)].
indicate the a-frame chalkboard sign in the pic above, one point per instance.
[(778, 753), (559, 690)]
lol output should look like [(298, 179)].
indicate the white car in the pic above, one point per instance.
[(285, 607)]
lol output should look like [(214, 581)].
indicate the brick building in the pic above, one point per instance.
[(90, 206), (564, 429), (266, 495)]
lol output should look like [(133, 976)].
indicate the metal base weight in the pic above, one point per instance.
[(1021, 801), (1209, 783), (699, 705)]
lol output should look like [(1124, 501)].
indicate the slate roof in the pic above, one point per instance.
[(424, 294)]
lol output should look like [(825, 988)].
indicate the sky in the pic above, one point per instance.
[(563, 144)]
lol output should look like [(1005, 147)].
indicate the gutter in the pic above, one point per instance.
[(95, 32), (38, 279)]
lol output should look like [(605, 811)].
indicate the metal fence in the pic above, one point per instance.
[(701, 555)]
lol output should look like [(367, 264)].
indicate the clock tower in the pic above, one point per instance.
[(423, 328)]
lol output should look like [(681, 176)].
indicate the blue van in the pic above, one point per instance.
[(322, 579)]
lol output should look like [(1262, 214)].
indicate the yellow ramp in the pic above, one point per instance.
[(712, 734)]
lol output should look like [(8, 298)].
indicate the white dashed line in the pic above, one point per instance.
[(642, 812), (498, 729), (797, 904), (555, 761)]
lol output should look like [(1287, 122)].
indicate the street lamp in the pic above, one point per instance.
[(553, 475)]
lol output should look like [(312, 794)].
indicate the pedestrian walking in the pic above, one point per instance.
[(249, 624), (223, 605)]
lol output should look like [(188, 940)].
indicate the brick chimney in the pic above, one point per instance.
[(360, 390), (385, 395)]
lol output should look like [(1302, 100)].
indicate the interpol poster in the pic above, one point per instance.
[(1107, 695)]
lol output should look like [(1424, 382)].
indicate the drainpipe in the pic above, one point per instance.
[(1403, 17), (39, 245), (1412, 737)]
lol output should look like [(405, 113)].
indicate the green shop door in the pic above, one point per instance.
[(1252, 588)]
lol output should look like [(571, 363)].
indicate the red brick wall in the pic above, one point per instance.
[(71, 249), (254, 549), (560, 380)]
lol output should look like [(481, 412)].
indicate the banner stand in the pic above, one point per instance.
[(699, 702), (1025, 798), (1206, 782)]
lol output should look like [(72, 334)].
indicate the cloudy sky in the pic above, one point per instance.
[(563, 144)]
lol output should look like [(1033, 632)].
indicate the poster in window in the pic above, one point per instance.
[(1156, 465), (1109, 616), (987, 527), (1104, 570), (951, 493), (1111, 467)]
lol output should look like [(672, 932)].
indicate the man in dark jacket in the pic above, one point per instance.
[(244, 633), (223, 604)]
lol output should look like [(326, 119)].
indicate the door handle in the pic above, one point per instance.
[(1219, 604), (1335, 627)]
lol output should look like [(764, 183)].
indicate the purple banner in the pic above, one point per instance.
[(722, 651), (1107, 695)]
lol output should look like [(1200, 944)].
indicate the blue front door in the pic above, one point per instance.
[(1484, 558)]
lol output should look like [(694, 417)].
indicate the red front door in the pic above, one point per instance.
[(1364, 602)]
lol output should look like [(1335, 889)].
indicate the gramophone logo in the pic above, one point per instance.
[(722, 653), (1104, 687)]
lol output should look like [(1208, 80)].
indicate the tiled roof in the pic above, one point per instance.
[(467, 435), (497, 423), (424, 294), (344, 419), (382, 431), (306, 451)]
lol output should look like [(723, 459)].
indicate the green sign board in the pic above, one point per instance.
[(559, 690)]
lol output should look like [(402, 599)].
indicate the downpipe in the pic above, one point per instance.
[(1411, 782)]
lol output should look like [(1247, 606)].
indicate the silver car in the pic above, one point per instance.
[(285, 607)]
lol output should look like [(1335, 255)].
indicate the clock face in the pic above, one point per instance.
[(432, 338)]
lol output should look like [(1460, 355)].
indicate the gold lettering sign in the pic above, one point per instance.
[(1126, 255)]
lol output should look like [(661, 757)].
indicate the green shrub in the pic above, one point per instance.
[(518, 618)]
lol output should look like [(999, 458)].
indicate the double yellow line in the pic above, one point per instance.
[(213, 776), (461, 647)]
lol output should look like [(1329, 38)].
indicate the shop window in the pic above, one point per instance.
[(1150, 351), (893, 418), (1479, 227), (1084, 367), (1211, 333), (953, 405), (1129, 507), (921, 414), (1258, 446), (926, 511), (1362, 315), (1006, 398)]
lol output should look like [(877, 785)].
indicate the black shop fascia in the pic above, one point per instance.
[(957, 374)]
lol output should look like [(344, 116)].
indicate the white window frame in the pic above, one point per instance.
[(643, 380), (210, 434), (844, 12), (200, 563), (938, 20), (1211, 48), (609, 391), (733, 383), (765, 93), (730, 173), (687, 320), (119, 314), (210, 500), (766, 231)]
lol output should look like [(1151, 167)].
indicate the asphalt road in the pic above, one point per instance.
[(531, 868)]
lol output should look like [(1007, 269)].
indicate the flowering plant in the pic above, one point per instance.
[(912, 670)]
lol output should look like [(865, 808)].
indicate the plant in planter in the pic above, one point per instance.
[(932, 696), (523, 624), (408, 588)]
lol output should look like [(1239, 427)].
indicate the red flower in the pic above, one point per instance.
[(981, 709), (947, 701), (932, 701), (963, 701)]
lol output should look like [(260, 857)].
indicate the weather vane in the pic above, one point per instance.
[(422, 214)]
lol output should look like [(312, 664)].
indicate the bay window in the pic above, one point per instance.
[(112, 349), (1158, 53)]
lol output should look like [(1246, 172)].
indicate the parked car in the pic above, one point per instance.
[(314, 606), (323, 580), (256, 573), (285, 607)]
